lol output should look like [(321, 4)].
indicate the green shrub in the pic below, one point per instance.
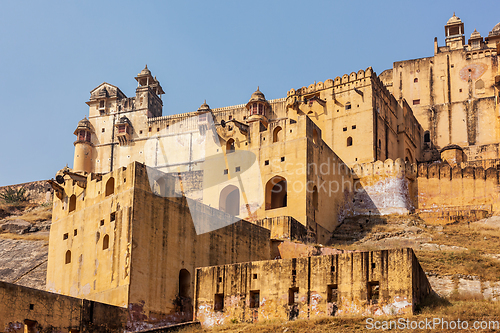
[(10, 195)]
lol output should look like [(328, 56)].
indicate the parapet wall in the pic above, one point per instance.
[(383, 188), (442, 187)]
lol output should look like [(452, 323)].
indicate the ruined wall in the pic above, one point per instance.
[(442, 188), (366, 283), (24, 309), (384, 187), (284, 227)]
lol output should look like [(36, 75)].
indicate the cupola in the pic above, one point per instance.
[(258, 107), (454, 31)]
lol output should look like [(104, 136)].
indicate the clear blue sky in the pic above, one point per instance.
[(54, 52)]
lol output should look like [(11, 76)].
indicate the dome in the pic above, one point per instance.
[(454, 20), (204, 107), (145, 71), (257, 96), (84, 123), (495, 31), (475, 35)]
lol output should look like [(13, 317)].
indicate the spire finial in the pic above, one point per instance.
[(147, 64), (205, 101), (258, 88)]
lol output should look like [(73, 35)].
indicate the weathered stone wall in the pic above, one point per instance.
[(132, 247), (441, 187), (37, 192), (384, 187), (284, 227), (24, 309), (367, 283)]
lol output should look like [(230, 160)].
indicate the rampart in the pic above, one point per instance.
[(447, 194), (384, 187)]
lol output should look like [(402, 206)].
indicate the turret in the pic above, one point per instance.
[(258, 107), (454, 31), (148, 93), (83, 147)]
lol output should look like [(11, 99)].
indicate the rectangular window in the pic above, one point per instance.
[(332, 293), (416, 102), (226, 171), (293, 296), (65, 236), (373, 292), (254, 299), (283, 159), (219, 302), (112, 217), (101, 223), (237, 169), (345, 129), (75, 232), (353, 126), (266, 162)]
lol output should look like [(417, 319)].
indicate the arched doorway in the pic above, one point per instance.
[(276, 193), (183, 301), (229, 200)]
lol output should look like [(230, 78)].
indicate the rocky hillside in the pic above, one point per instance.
[(24, 236)]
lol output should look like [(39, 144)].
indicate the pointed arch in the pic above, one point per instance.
[(276, 193), (230, 146), (110, 186), (67, 259), (105, 242), (276, 134), (72, 203), (229, 200), (349, 141)]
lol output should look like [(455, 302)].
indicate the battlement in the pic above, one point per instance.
[(387, 167), (445, 171), (338, 82)]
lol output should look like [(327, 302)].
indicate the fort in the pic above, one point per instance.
[(168, 219)]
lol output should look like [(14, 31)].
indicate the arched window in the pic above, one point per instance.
[(184, 283), (160, 187), (110, 186), (229, 200), (68, 257), (276, 134), (415, 80), (72, 203), (349, 141), (276, 193), (315, 198), (315, 137), (427, 136), (230, 146), (105, 242)]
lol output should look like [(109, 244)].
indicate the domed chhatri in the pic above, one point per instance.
[(204, 107), (454, 20), (495, 31), (475, 34), (83, 124), (257, 96), (145, 71)]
